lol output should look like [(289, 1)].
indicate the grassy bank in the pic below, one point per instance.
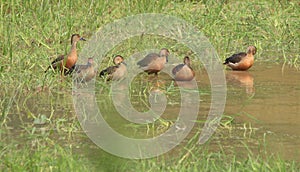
[(40, 132), (45, 154)]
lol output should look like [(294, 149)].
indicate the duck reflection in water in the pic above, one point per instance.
[(186, 84), (243, 79)]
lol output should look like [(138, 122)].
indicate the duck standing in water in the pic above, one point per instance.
[(183, 72), (153, 62), (67, 62), (85, 73), (116, 72), (241, 61)]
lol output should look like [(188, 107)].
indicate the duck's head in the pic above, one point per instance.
[(90, 60), (164, 53), (186, 60), (251, 50), (118, 59), (76, 38)]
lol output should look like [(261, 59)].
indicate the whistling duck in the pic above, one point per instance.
[(241, 61), (116, 72), (183, 72), (85, 73), (65, 63), (153, 62)]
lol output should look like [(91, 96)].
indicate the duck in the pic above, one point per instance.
[(85, 73), (241, 61), (67, 62), (184, 72), (116, 72), (153, 62)]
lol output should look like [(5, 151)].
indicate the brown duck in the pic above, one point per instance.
[(85, 73), (153, 62), (241, 61), (67, 62), (183, 72), (116, 72)]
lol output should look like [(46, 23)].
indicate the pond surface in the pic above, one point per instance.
[(262, 104), (273, 105)]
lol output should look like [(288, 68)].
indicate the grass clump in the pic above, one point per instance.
[(39, 157)]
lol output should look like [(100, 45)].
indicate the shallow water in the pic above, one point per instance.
[(264, 103), (274, 104)]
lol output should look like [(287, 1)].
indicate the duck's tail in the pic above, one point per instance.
[(47, 69), (226, 61), (103, 73)]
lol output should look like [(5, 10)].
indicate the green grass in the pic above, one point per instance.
[(17, 157), (40, 153), (35, 32)]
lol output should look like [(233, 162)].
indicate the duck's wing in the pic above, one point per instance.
[(54, 63), (58, 59), (79, 68), (148, 59), (70, 71), (108, 70), (177, 68), (235, 58)]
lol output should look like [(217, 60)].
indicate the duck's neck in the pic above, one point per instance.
[(89, 64), (73, 52), (72, 57), (164, 59), (73, 47)]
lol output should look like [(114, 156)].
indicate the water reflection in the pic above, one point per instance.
[(242, 79), (275, 107), (186, 84), (122, 99), (156, 86)]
